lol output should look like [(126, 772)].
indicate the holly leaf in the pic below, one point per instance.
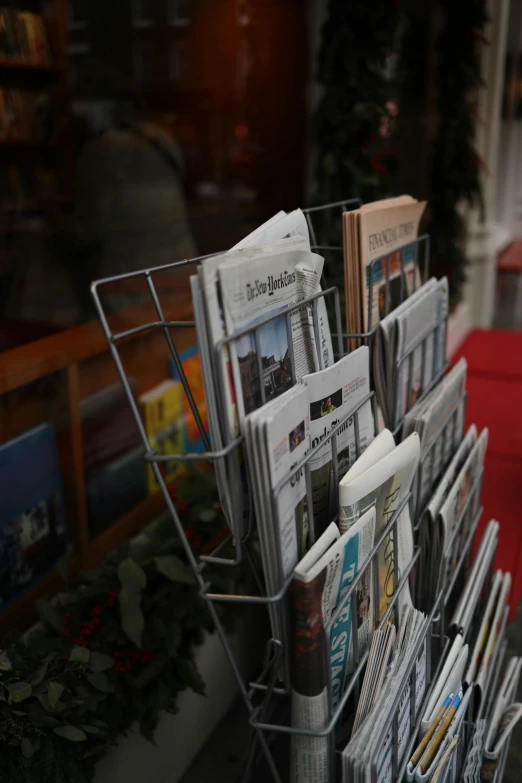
[(42, 670), (54, 692), (131, 616), (27, 749), (174, 569), (100, 682), (79, 654), (90, 729), (49, 614), (70, 733), (99, 662), (207, 515), (18, 691), (63, 562), (131, 575)]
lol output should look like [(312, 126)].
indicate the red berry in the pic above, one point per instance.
[(68, 632)]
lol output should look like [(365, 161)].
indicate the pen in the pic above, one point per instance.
[(441, 731), (431, 731)]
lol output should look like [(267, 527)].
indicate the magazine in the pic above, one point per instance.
[(370, 233), (382, 477), (334, 393), (320, 582)]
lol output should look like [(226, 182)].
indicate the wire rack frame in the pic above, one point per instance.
[(223, 452)]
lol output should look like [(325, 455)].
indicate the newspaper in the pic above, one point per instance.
[(382, 477), (459, 510), (370, 233), (410, 350), (283, 226), (254, 285), (318, 585), (439, 420), (498, 618), (277, 438), (379, 660), (370, 750), (432, 539), (504, 717), (334, 394)]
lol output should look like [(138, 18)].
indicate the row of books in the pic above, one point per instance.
[(21, 115), (312, 452), (33, 526), (23, 36)]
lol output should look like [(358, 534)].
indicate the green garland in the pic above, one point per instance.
[(114, 648), (357, 159), (455, 170)]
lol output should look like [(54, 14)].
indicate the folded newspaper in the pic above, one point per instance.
[(335, 394), (369, 755), (439, 421), (382, 477), (505, 715), (321, 582), (267, 274), (410, 350), (372, 235)]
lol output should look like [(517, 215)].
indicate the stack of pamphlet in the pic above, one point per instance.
[(410, 350), (370, 233)]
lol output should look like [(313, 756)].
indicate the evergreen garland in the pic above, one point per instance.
[(356, 159), (116, 647), (455, 170)]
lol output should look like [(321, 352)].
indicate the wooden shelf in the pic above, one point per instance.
[(14, 64)]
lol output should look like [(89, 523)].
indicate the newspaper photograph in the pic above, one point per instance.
[(334, 394)]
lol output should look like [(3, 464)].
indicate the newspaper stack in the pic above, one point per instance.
[(278, 436), (321, 581), (439, 421), (272, 271), (370, 750), (410, 350), (505, 715), (450, 514), (370, 233)]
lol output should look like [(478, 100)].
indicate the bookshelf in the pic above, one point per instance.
[(46, 380)]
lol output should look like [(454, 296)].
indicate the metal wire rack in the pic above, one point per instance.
[(225, 453)]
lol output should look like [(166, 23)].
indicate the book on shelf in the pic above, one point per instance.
[(191, 363), (162, 415), (23, 36), (33, 525), (113, 457)]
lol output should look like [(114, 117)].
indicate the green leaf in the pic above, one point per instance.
[(131, 616), (63, 562), (48, 720), (207, 515), (83, 692), (174, 569), (49, 615), (54, 692), (18, 691), (42, 670), (79, 654), (100, 682), (100, 662), (27, 748), (100, 724), (90, 729), (131, 575), (70, 733)]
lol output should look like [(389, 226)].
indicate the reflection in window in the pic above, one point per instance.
[(178, 62), (142, 13), (179, 12), (77, 14), (143, 62)]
